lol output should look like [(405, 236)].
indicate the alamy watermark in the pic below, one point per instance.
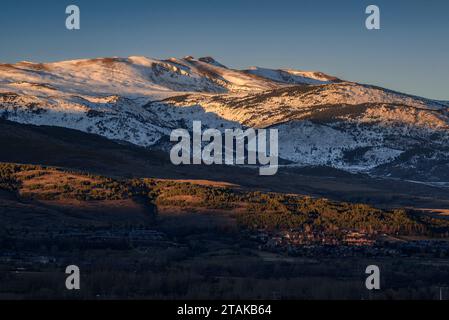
[(252, 146), (373, 280), (73, 21), (72, 282), (372, 22)]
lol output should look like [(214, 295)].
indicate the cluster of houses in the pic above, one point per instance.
[(301, 237), (349, 242)]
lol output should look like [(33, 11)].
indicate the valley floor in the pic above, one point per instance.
[(196, 257), (186, 245)]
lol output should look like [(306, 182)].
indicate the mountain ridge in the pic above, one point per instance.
[(322, 120)]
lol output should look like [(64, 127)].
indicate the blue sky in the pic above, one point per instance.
[(410, 53)]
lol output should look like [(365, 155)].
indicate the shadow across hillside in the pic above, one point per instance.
[(61, 147)]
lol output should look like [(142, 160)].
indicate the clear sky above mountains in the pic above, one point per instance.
[(410, 53)]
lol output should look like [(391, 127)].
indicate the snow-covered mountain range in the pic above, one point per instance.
[(322, 120)]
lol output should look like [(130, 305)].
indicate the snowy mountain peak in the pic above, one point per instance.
[(321, 119), (212, 61)]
